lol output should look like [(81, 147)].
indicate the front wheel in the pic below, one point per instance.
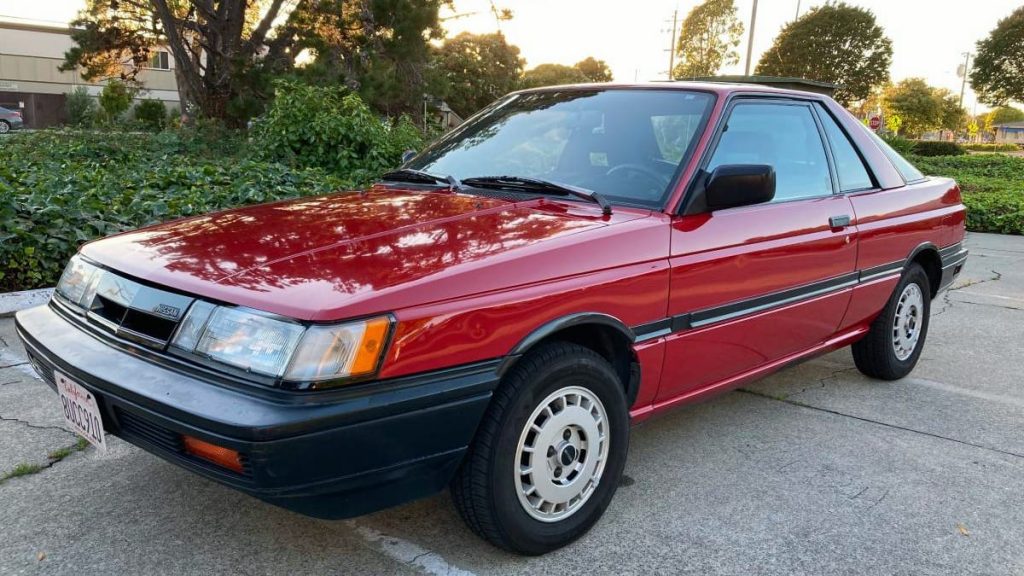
[(892, 346), (549, 454), (4, 127)]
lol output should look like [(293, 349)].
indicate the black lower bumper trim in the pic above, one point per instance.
[(328, 455)]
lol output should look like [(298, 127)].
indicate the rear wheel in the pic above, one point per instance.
[(549, 454), (892, 346)]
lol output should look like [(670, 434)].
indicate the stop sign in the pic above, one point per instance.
[(875, 122)]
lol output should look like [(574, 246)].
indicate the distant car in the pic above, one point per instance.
[(10, 120), (494, 315)]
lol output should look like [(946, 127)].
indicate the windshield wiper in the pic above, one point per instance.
[(413, 175), (542, 186)]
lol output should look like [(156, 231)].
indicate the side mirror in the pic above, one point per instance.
[(732, 185), (408, 155)]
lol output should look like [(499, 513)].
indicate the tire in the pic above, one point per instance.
[(490, 487), (888, 352), (5, 127)]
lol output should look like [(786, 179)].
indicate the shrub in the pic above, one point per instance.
[(151, 114), (900, 144), (80, 108), (937, 148), (331, 128), (992, 147), (992, 185), (59, 189), (115, 99)]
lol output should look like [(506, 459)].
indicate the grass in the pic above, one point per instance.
[(27, 469)]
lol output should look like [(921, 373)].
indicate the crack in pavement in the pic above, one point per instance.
[(947, 304), (35, 426), (58, 455), (885, 424)]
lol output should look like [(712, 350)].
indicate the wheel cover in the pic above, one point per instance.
[(561, 454), (908, 321), (4, 128)]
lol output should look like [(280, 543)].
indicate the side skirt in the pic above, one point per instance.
[(642, 413)]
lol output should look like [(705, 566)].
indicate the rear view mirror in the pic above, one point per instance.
[(732, 185)]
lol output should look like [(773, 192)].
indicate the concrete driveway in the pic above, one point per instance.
[(816, 470)]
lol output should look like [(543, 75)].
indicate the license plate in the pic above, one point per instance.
[(81, 412)]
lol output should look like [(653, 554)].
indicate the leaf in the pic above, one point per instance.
[(962, 529)]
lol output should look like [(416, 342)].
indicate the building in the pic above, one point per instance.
[(31, 82), (1009, 133)]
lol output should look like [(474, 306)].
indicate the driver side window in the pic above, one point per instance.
[(783, 135)]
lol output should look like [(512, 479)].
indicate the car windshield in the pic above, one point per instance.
[(625, 144)]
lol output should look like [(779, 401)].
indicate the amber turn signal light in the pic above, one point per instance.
[(218, 455)]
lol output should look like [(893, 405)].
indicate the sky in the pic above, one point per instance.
[(929, 36)]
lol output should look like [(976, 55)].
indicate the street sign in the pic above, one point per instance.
[(875, 123)]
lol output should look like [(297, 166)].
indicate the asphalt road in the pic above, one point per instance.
[(816, 470)]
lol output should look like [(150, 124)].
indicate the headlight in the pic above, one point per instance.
[(343, 351), (77, 283), (280, 348)]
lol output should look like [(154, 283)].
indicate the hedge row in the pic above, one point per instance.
[(992, 185), (59, 189)]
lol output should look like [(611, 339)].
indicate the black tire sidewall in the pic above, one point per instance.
[(527, 534), (916, 275)]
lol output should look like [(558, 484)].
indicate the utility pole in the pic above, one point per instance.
[(797, 17), (750, 39), (672, 46), (963, 85)]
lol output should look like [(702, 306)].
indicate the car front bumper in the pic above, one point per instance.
[(329, 454)]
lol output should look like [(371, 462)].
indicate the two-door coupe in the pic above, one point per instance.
[(495, 314)]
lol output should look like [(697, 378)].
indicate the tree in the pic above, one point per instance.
[(552, 75), (594, 70), (115, 99), (226, 50), (709, 39), (1003, 115), (953, 117), (917, 104), (835, 43), (477, 69), (998, 73)]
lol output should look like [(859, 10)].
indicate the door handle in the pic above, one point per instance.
[(839, 221)]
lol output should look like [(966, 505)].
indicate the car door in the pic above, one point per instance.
[(755, 285)]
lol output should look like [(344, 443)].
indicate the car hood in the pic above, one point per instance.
[(343, 255)]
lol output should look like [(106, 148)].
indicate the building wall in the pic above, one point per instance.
[(1009, 134), (30, 79)]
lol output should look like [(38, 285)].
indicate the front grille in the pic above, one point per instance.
[(132, 425), (135, 311)]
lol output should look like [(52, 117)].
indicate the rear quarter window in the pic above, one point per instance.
[(905, 168)]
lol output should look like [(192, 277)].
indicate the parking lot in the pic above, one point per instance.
[(814, 470)]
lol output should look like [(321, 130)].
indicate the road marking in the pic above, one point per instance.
[(9, 360), (408, 553)]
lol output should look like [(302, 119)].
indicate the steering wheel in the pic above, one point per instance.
[(655, 183)]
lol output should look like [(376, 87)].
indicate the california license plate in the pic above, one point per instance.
[(81, 412)]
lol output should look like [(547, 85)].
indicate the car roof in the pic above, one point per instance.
[(720, 88)]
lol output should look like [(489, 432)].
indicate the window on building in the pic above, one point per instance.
[(160, 60)]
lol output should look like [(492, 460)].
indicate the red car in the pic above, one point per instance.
[(496, 314)]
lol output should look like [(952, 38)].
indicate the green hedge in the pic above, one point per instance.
[(937, 148), (59, 189), (992, 185), (992, 147)]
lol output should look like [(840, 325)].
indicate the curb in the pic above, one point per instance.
[(11, 302)]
